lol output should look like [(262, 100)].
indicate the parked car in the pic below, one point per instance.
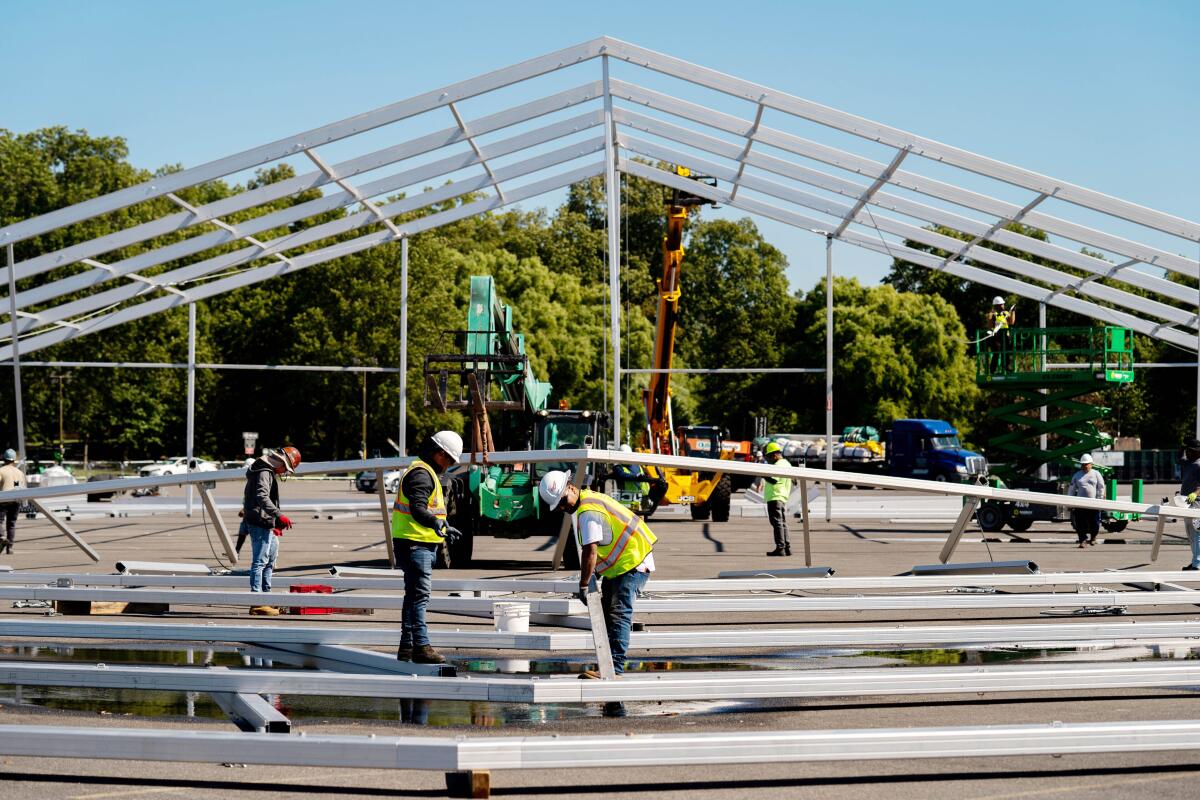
[(176, 466), (365, 482)]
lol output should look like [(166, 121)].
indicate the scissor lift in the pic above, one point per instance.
[(1054, 367)]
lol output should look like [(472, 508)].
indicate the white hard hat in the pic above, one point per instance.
[(553, 486), (450, 442), (625, 448), (1086, 458), (997, 300)]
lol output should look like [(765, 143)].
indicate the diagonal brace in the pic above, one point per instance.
[(750, 134), (875, 186), (354, 192), (462, 126)]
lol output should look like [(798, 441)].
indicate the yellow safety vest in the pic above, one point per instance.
[(999, 320), (780, 490), (631, 539), (403, 524)]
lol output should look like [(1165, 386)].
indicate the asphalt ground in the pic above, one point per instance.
[(686, 549)]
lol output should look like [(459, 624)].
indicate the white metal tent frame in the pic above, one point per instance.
[(605, 127)]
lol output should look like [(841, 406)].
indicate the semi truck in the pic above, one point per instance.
[(928, 449)]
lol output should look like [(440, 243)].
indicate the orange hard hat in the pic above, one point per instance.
[(290, 457)]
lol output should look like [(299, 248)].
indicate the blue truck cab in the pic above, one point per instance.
[(929, 449)]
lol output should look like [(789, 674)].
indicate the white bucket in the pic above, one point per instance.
[(511, 617)]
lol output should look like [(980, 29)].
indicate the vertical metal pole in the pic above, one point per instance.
[(613, 199), (12, 315), (828, 373), (191, 397), (1043, 470), (1197, 357), (402, 440)]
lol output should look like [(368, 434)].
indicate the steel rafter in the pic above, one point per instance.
[(33, 315)]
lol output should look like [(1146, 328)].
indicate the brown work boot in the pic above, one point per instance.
[(265, 611), (404, 652), (590, 675), (424, 654)]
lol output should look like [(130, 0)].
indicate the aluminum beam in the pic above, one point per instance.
[(903, 205), (332, 251), (895, 137), (275, 191), (191, 272), (1056, 633), (64, 529), (740, 684), (293, 145), (764, 580), (253, 711), (448, 605), (352, 659), (974, 274), (1019, 266), (866, 167), (571, 752)]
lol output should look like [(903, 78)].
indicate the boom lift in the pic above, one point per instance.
[(1054, 367), (705, 492)]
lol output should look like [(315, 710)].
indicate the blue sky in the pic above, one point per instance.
[(1099, 93)]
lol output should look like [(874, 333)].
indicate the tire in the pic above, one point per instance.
[(1020, 525), (699, 511), (1115, 525), (990, 518), (718, 501), (940, 478)]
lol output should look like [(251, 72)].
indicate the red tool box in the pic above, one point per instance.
[(310, 588)]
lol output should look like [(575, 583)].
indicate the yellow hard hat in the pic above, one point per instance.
[(772, 447)]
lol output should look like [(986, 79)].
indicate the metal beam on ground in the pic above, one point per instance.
[(1051, 633), (353, 659), (480, 754), (815, 579), (253, 711), (742, 684)]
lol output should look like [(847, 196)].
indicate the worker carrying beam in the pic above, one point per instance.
[(616, 546)]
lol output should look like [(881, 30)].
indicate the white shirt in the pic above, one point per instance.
[(1087, 483), (591, 528)]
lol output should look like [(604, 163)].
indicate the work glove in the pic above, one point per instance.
[(284, 523), (448, 532), (582, 594), (1191, 498), (277, 531)]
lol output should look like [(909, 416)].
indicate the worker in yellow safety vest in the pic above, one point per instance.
[(615, 545), (999, 338), (776, 491), (419, 527)]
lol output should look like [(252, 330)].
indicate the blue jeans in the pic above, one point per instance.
[(1193, 534), (619, 594), (265, 548), (415, 559)]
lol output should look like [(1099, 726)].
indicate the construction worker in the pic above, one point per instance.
[(263, 521), (999, 340), (11, 477), (1189, 485), (1086, 482), (615, 546), (418, 527), (776, 491)]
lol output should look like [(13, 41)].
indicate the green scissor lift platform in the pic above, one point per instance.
[(1054, 367)]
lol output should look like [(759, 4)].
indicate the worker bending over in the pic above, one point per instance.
[(776, 491), (418, 527), (616, 546)]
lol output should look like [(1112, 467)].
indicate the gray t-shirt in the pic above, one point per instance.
[(1087, 483)]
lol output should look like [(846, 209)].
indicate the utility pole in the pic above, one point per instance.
[(364, 415), (61, 436)]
